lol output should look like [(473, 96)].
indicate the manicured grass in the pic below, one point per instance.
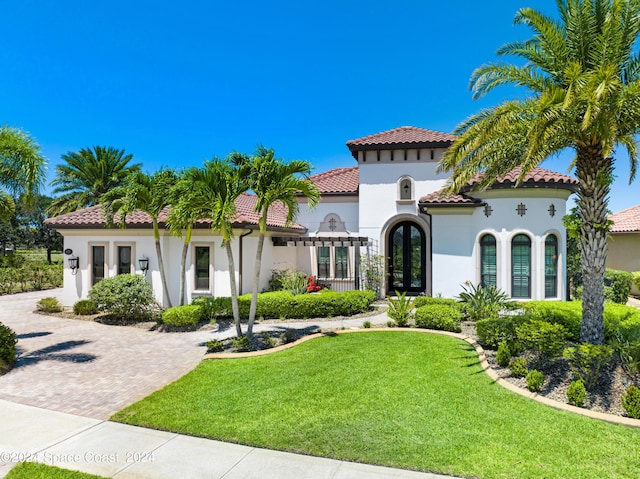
[(34, 470), (401, 399)]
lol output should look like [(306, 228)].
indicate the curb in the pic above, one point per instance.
[(601, 416)]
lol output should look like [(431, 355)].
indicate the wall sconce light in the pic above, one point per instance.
[(74, 263), (144, 265)]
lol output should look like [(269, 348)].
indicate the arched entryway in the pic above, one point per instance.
[(406, 253)]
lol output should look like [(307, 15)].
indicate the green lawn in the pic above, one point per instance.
[(33, 470), (401, 399)]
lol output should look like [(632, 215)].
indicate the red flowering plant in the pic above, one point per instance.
[(312, 286)]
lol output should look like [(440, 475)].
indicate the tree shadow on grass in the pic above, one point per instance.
[(55, 352)]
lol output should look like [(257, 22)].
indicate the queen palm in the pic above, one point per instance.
[(274, 181), (212, 195), (582, 75), (21, 168), (88, 174), (147, 193)]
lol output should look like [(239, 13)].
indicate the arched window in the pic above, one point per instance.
[(488, 261), (521, 266), (551, 267)]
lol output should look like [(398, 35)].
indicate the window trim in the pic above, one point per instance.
[(556, 266), (530, 265), (482, 257), (105, 265), (399, 186), (332, 263), (192, 266), (116, 256)]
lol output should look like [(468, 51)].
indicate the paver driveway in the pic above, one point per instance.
[(87, 368)]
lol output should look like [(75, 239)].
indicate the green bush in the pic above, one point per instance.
[(294, 281), (631, 402), (289, 336), (8, 340), (635, 277), (588, 361), (49, 305), (268, 341), (547, 338), (493, 331), (535, 380), (503, 356), (214, 346), (518, 368), (241, 343), (439, 316), (566, 313), (182, 316), (620, 283), (429, 300), (366, 324), (85, 307), (482, 302), (400, 309), (125, 296), (576, 393)]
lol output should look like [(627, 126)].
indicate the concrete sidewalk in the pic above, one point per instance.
[(105, 448)]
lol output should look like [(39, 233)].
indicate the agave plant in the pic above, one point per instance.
[(483, 301), (400, 309)]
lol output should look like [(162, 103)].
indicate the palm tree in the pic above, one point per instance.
[(212, 195), (87, 175), (274, 181), (21, 168), (147, 193), (582, 74)]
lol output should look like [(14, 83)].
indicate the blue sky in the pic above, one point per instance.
[(175, 83)]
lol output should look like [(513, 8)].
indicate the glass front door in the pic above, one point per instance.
[(407, 258)]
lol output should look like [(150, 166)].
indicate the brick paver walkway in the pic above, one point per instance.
[(87, 368)]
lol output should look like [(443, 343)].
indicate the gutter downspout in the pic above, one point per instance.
[(240, 266)]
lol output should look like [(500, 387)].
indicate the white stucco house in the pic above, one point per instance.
[(388, 203)]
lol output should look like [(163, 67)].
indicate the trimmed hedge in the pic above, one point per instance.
[(284, 305), (181, 316), (428, 300), (493, 331), (439, 316)]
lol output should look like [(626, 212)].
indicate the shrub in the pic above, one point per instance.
[(588, 361), (635, 277), (125, 296), (576, 393), (620, 283), (483, 302), (535, 380), (49, 305), (288, 336), (631, 402), (518, 367), (214, 346), (182, 316), (241, 343), (295, 282), (547, 338), (493, 331), (269, 342), (503, 356), (568, 314), (85, 307), (428, 300), (439, 316), (366, 324), (400, 309), (8, 340)]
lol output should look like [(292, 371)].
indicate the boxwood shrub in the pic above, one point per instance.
[(549, 339), (565, 313), (8, 340), (620, 283), (49, 305), (125, 296), (85, 307), (493, 331), (439, 316), (428, 300), (181, 316), (284, 305)]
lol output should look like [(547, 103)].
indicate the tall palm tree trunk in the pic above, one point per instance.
[(256, 285), (183, 264), (163, 277), (234, 288), (594, 173)]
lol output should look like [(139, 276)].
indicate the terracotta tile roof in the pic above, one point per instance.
[(405, 135), (338, 181), (93, 217), (537, 177), (437, 198), (626, 221)]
